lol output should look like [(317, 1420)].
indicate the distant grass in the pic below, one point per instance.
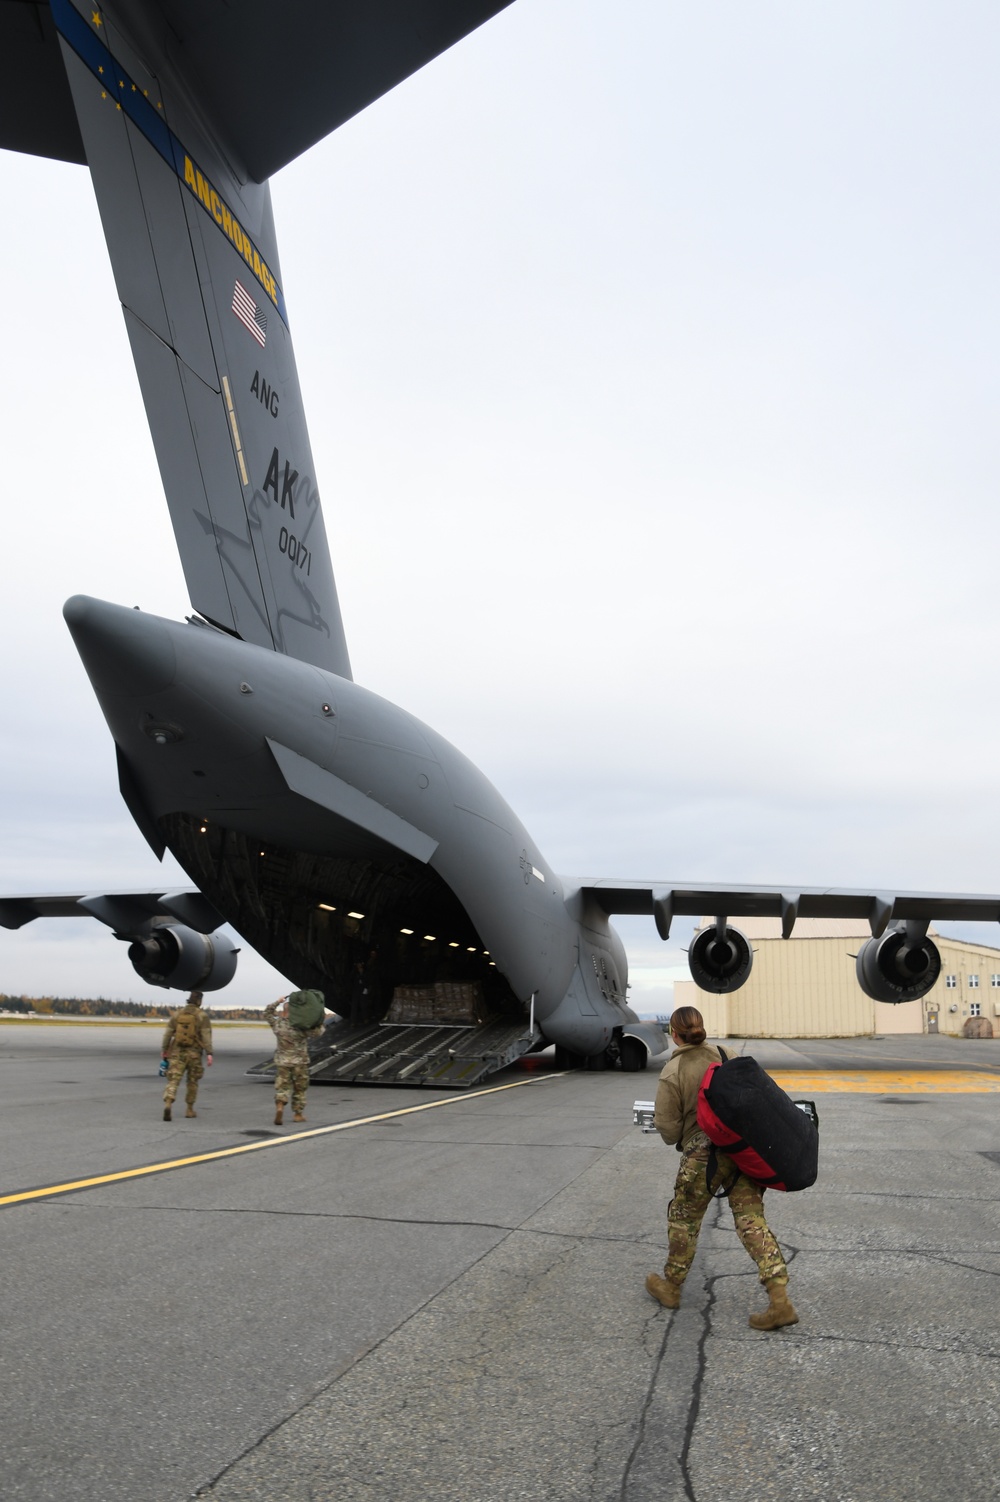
[(22, 1021)]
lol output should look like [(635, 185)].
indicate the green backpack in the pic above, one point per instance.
[(306, 1009), (187, 1033)]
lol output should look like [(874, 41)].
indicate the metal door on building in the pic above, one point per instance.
[(932, 1022)]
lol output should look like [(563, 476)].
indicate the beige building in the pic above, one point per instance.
[(805, 987)]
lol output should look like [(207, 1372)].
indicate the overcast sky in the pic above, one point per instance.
[(649, 354)]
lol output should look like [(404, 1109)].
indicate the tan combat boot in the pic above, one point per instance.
[(279, 1107), (664, 1290), (298, 1116), (780, 1311), (190, 1111)]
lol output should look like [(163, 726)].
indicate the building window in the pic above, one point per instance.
[(974, 1010), (950, 981), (973, 982), (995, 982)]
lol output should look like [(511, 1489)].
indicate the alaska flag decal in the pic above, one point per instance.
[(124, 94)]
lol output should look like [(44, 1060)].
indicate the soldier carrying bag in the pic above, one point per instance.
[(771, 1138), (306, 1009)]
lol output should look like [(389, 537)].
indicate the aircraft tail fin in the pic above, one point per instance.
[(192, 245)]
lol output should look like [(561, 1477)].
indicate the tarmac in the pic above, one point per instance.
[(450, 1302)]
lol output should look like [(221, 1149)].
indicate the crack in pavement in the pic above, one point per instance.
[(575, 1237), (675, 1328), (806, 1338)]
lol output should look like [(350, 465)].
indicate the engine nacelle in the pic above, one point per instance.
[(720, 959), (177, 957), (898, 966)]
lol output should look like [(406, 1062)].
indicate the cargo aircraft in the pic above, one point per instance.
[(349, 844)]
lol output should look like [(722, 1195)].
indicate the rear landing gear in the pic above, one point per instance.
[(628, 1052), (633, 1055)]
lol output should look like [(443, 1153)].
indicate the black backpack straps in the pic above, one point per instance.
[(712, 1168)]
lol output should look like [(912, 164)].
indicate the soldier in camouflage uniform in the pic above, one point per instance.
[(675, 1117), (188, 1035), (291, 1058)]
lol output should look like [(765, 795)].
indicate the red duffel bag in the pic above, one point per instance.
[(770, 1137)]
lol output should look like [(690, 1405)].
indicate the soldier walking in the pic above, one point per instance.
[(291, 1056), (676, 1118), (187, 1037)]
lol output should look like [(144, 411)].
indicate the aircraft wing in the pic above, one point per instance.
[(667, 900), (126, 912), (278, 78)]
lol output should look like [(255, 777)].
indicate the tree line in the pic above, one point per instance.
[(100, 1006)]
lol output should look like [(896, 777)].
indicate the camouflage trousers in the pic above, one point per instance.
[(183, 1060), (291, 1080), (692, 1198)]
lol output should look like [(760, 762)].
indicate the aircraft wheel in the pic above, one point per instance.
[(633, 1055)]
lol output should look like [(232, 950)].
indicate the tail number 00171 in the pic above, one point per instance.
[(297, 551)]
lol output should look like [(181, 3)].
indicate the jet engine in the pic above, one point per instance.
[(177, 957), (720, 958), (902, 965)]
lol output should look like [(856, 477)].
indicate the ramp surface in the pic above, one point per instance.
[(448, 1056)]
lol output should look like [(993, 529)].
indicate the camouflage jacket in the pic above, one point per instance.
[(292, 1045), (204, 1030), (676, 1112)]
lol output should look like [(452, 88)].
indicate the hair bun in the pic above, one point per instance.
[(689, 1025)]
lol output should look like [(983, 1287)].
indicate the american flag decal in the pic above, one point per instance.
[(249, 314)]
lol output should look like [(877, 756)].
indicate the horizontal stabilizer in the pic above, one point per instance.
[(36, 108), (273, 79)]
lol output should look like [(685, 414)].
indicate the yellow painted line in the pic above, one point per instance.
[(24, 1195), (886, 1082)]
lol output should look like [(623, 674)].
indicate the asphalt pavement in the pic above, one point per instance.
[(450, 1303)]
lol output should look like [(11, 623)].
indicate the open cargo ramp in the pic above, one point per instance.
[(443, 1055)]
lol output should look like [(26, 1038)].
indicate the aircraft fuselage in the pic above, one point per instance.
[(339, 834)]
